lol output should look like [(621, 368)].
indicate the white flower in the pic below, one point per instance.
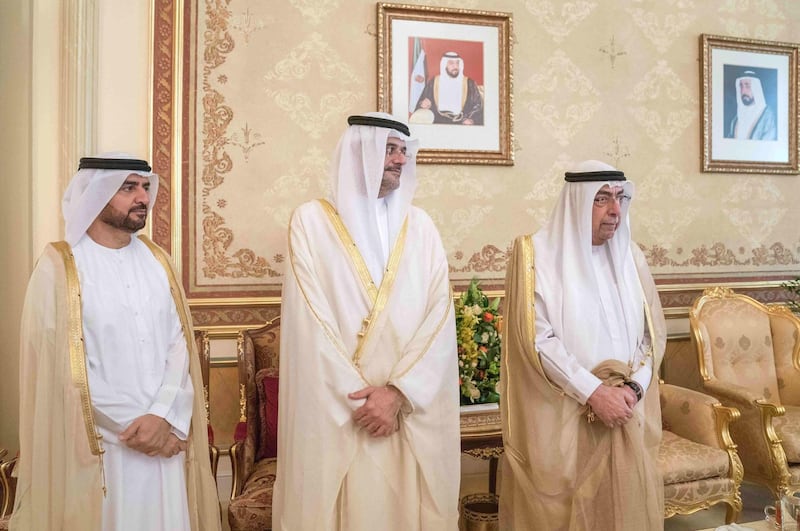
[(475, 363), (460, 363), (467, 311), (474, 392), (476, 310), (485, 337)]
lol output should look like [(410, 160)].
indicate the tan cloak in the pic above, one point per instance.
[(60, 478), (559, 471)]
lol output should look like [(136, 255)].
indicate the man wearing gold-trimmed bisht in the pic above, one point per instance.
[(112, 434), (368, 424), (583, 340)]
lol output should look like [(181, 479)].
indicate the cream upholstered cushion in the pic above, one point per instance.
[(681, 460), (252, 509), (740, 339), (788, 429)]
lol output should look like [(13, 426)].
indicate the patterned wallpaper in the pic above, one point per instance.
[(273, 81)]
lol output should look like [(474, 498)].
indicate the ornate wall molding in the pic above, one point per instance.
[(695, 229), (163, 119)]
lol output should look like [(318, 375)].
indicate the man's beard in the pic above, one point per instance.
[(747, 100), (452, 73), (391, 182), (122, 220)]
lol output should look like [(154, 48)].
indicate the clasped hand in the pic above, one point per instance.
[(151, 435), (379, 414), (613, 405)]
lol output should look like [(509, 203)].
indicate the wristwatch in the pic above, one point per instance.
[(636, 389)]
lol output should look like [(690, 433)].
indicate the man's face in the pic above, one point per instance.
[(451, 67), (606, 213), (392, 166), (747, 91), (127, 210)]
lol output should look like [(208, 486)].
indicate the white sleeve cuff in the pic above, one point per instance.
[(643, 377), (582, 384)]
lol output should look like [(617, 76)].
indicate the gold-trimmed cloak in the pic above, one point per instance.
[(339, 334), (546, 468), (60, 479)]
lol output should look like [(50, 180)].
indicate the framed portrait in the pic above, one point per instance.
[(448, 71), (749, 105)]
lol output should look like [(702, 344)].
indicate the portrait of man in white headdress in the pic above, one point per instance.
[(753, 118), (451, 97)]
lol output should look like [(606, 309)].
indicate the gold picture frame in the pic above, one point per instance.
[(467, 118), (749, 105)]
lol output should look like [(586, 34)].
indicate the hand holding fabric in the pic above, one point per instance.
[(147, 434), (379, 414), (611, 405)]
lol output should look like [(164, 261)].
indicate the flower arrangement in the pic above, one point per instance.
[(793, 287), (478, 327)]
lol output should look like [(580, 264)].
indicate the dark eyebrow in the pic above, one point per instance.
[(131, 182)]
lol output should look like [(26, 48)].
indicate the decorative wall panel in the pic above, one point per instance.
[(267, 86)]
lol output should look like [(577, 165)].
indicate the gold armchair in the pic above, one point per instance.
[(748, 357), (697, 457), (7, 487), (204, 352), (250, 507)]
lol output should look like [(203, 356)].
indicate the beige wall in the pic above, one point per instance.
[(123, 77), (15, 201), (613, 80)]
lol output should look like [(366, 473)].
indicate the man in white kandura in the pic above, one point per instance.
[(112, 433), (368, 425), (584, 336)]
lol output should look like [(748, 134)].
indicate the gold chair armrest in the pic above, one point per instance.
[(780, 467), (236, 453), (751, 404), (691, 415), (757, 442), (768, 412), (724, 417), (731, 394)]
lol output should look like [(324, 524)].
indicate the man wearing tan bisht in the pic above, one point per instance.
[(583, 340), (368, 423), (112, 433)]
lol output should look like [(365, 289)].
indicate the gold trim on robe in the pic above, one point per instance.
[(380, 298), (77, 354), (329, 333), (351, 248), (545, 484)]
